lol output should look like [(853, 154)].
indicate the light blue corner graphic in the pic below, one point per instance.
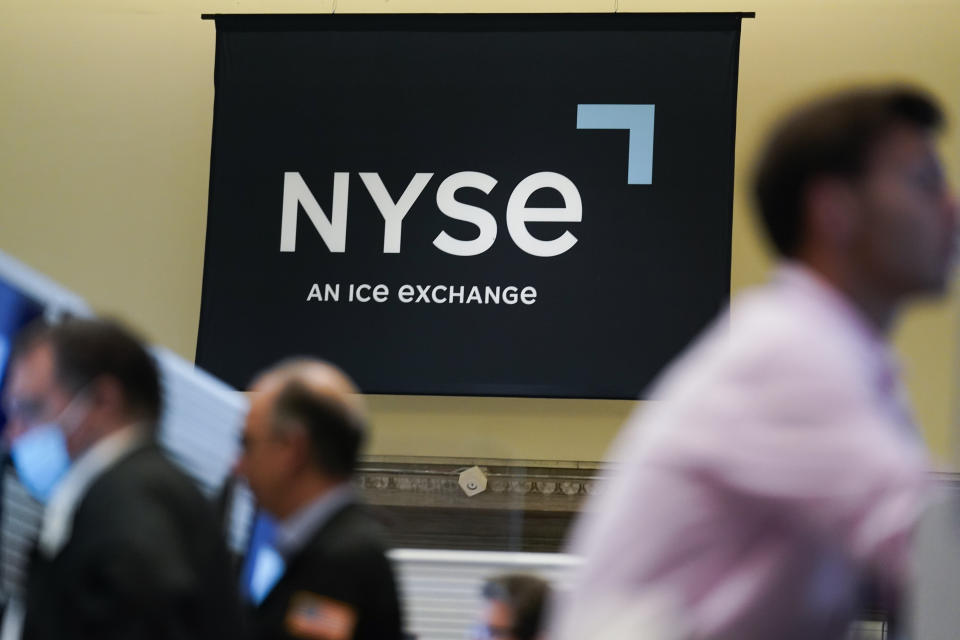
[(638, 120)]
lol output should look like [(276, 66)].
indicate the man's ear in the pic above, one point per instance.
[(832, 212), (299, 449), (106, 395)]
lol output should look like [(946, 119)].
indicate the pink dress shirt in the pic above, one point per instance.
[(778, 467)]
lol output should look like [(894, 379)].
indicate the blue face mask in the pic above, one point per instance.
[(41, 457)]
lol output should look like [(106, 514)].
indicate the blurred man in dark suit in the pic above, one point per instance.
[(128, 546), (331, 579)]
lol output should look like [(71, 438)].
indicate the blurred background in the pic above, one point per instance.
[(105, 125)]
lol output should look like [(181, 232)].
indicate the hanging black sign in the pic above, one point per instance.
[(469, 204)]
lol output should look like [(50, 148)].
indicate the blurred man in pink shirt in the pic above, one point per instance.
[(779, 471)]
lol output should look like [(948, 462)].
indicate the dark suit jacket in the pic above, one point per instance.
[(145, 560), (345, 562)]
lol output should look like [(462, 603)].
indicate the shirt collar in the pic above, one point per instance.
[(877, 353), (57, 523), (294, 532)]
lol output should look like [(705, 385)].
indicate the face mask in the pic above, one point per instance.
[(41, 457)]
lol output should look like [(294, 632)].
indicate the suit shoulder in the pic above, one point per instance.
[(149, 469), (145, 481), (356, 527), (352, 537)]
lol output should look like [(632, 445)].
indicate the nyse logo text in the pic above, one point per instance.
[(333, 228), (636, 119)]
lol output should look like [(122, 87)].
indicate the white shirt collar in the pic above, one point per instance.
[(57, 523)]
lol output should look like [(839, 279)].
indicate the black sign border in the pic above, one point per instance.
[(469, 22)]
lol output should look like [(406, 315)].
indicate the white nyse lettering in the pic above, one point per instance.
[(481, 218), (518, 214), (393, 212), (333, 231)]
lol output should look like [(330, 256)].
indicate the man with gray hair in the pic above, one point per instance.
[(333, 581)]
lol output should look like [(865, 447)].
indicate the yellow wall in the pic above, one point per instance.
[(105, 121)]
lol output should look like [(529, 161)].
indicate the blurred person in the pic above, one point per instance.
[(128, 547), (779, 470), (513, 608), (304, 431)]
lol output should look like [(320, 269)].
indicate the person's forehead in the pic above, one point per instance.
[(33, 371), (261, 405), (903, 144)]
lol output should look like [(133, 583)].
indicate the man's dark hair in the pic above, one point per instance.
[(86, 349), (335, 433), (833, 136), (526, 596)]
